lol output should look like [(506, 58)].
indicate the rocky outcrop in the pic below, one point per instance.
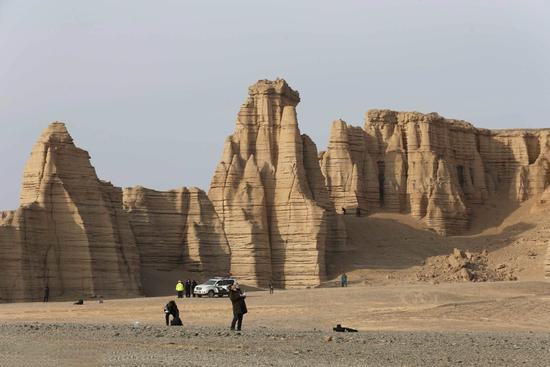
[(177, 228), (271, 211), (269, 194), (463, 266), (70, 232), (434, 168)]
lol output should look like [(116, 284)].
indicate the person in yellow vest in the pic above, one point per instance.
[(180, 288)]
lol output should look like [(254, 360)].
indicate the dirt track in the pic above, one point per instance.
[(504, 324)]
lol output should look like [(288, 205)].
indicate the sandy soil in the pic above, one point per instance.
[(504, 323), (404, 318), (389, 248)]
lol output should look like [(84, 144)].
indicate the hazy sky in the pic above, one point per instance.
[(152, 88)]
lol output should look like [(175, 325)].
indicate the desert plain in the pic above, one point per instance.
[(451, 324)]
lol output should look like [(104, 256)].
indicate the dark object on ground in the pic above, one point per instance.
[(342, 329), (79, 302), (172, 309), (176, 322)]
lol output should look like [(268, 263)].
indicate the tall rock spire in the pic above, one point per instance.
[(269, 193)]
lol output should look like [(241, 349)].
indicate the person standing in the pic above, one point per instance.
[(46, 294), (187, 288), (344, 280), (193, 285), (270, 287), (237, 298), (179, 289)]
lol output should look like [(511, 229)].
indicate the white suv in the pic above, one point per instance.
[(214, 287)]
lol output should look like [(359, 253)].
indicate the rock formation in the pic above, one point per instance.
[(177, 228), (269, 194), (437, 169), (70, 232), (270, 214)]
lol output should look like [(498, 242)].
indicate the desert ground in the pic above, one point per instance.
[(467, 324), (404, 298)]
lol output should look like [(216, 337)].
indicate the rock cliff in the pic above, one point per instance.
[(271, 210), (70, 232), (434, 168), (270, 196), (177, 228)]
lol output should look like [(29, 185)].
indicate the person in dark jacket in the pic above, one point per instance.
[(46, 294), (344, 280), (237, 298), (172, 309), (187, 288), (193, 285)]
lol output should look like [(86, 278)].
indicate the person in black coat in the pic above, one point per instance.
[(193, 285), (237, 298), (46, 294), (187, 288), (172, 309)]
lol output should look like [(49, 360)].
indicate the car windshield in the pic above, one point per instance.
[(210, 282)]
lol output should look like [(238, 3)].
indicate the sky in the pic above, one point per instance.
[(152, 88)]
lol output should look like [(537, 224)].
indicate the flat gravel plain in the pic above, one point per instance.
[(70, 344)]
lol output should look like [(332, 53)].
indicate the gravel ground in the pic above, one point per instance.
[(59, 344)]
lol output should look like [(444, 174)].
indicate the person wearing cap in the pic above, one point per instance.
[(237, 298), (179, 289)]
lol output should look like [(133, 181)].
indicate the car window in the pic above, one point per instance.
[(226, 282), (210, 282)]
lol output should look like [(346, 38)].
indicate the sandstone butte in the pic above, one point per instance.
[(434, 168), (273, 210), (270, 195)]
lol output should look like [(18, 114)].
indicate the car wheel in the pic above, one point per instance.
[(210, 294)]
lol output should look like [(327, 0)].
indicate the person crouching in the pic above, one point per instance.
[(237, 298), (172, 309)]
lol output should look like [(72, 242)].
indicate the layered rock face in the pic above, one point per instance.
[(70, 232), (270, 196), (177, 228), (437, 169)]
